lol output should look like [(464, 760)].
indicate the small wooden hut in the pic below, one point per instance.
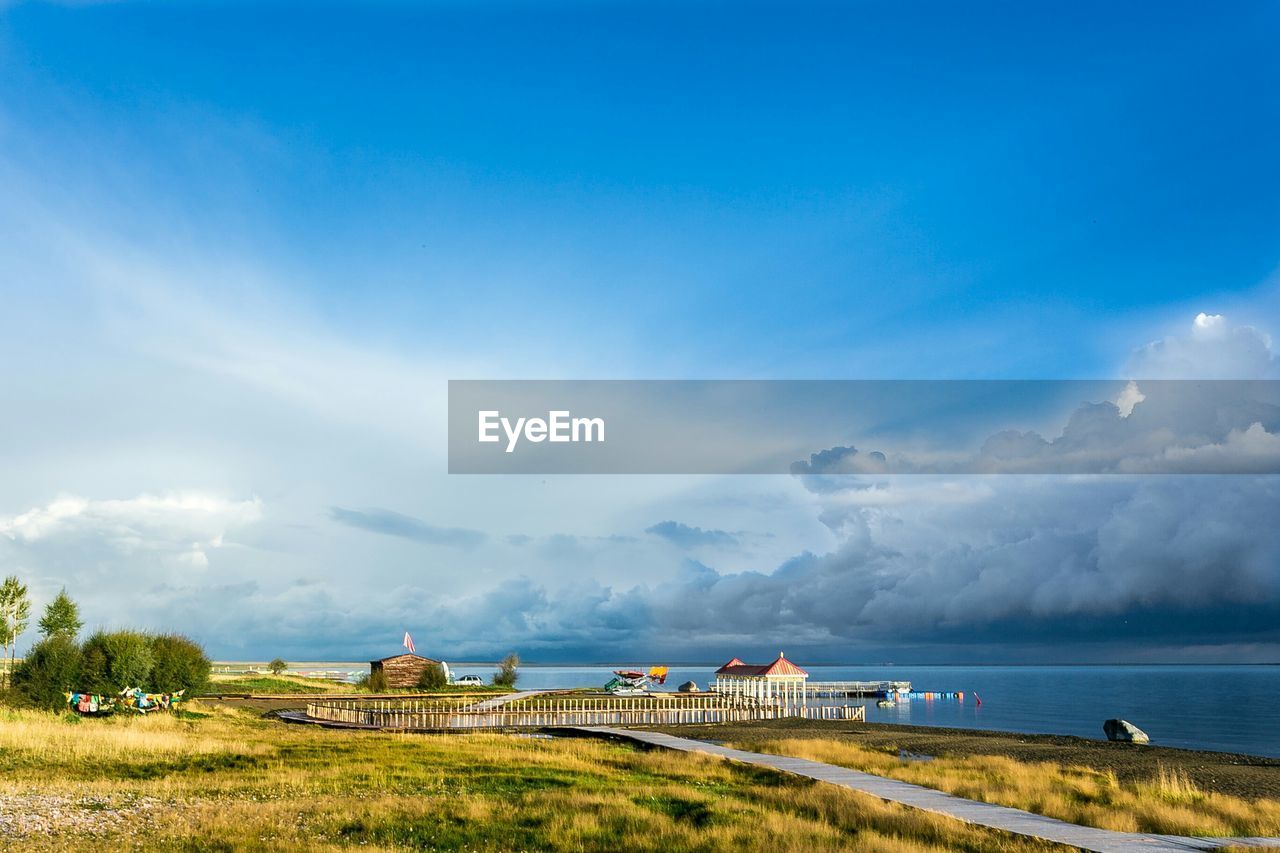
[(402, 670)]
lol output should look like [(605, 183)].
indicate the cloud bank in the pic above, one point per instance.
[(182, 526), (1153, 427), (931, 567)]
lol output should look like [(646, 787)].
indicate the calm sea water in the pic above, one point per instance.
[(1228, 708)]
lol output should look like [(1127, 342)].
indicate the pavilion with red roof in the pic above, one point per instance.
[(778, 683)]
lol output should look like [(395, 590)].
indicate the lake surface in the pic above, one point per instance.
[(1227, 708)]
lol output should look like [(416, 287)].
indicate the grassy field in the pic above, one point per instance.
[(1114, 786), (224, 779), (276, 684), (1168, 803)]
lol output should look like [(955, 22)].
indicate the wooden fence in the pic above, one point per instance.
[(536, 712)]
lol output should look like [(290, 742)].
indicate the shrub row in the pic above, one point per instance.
[(108, 662)]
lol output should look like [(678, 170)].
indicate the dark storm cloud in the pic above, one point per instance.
[(685, 536), (1190, 561), (390, 523), (1044, 568)]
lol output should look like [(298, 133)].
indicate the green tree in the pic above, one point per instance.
[(432, 677), (61, 617), (50, 669), (177, 663), (508, 671), (278, 666), (114, 660), (15, 615)]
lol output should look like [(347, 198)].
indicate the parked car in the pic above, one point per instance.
[(469, 681)]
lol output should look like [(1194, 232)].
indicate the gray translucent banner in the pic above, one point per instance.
[(824, 428)]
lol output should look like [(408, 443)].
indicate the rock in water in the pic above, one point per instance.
[(688, 687), (1124, 731)]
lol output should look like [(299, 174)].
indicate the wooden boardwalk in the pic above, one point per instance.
[(916, 796), (499, 701), (538, 709)]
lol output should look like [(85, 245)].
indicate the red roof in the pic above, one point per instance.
[(781, 666)]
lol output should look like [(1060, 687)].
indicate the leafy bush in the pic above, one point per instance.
[(433, 677), (277, 666), (374, 682), (50, 669), (508, 671), (178, 663), (114, 660)]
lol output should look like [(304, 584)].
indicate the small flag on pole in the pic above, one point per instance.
[(408, 643)]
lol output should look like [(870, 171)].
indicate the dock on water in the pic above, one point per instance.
[(783, 681), (843, 689)]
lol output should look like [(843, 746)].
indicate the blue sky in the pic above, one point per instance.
[(246, 244)]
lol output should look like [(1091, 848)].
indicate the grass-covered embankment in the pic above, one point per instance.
[(232, 780), (275, 684)]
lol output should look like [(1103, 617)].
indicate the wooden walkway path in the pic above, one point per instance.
[(916, 796), (499, 701)]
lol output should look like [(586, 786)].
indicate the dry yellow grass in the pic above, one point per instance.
[(1170, 803), (234, 781), (52, 740)]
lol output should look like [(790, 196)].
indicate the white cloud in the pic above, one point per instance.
[(1209, 326), (1130, 397), (186, 525), (1214, 349), (1243, 451), (1160, 426)]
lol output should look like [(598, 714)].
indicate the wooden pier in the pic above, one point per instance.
[(842, 689), (547, 711)]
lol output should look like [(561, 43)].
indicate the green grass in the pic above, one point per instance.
[(276, 684)]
